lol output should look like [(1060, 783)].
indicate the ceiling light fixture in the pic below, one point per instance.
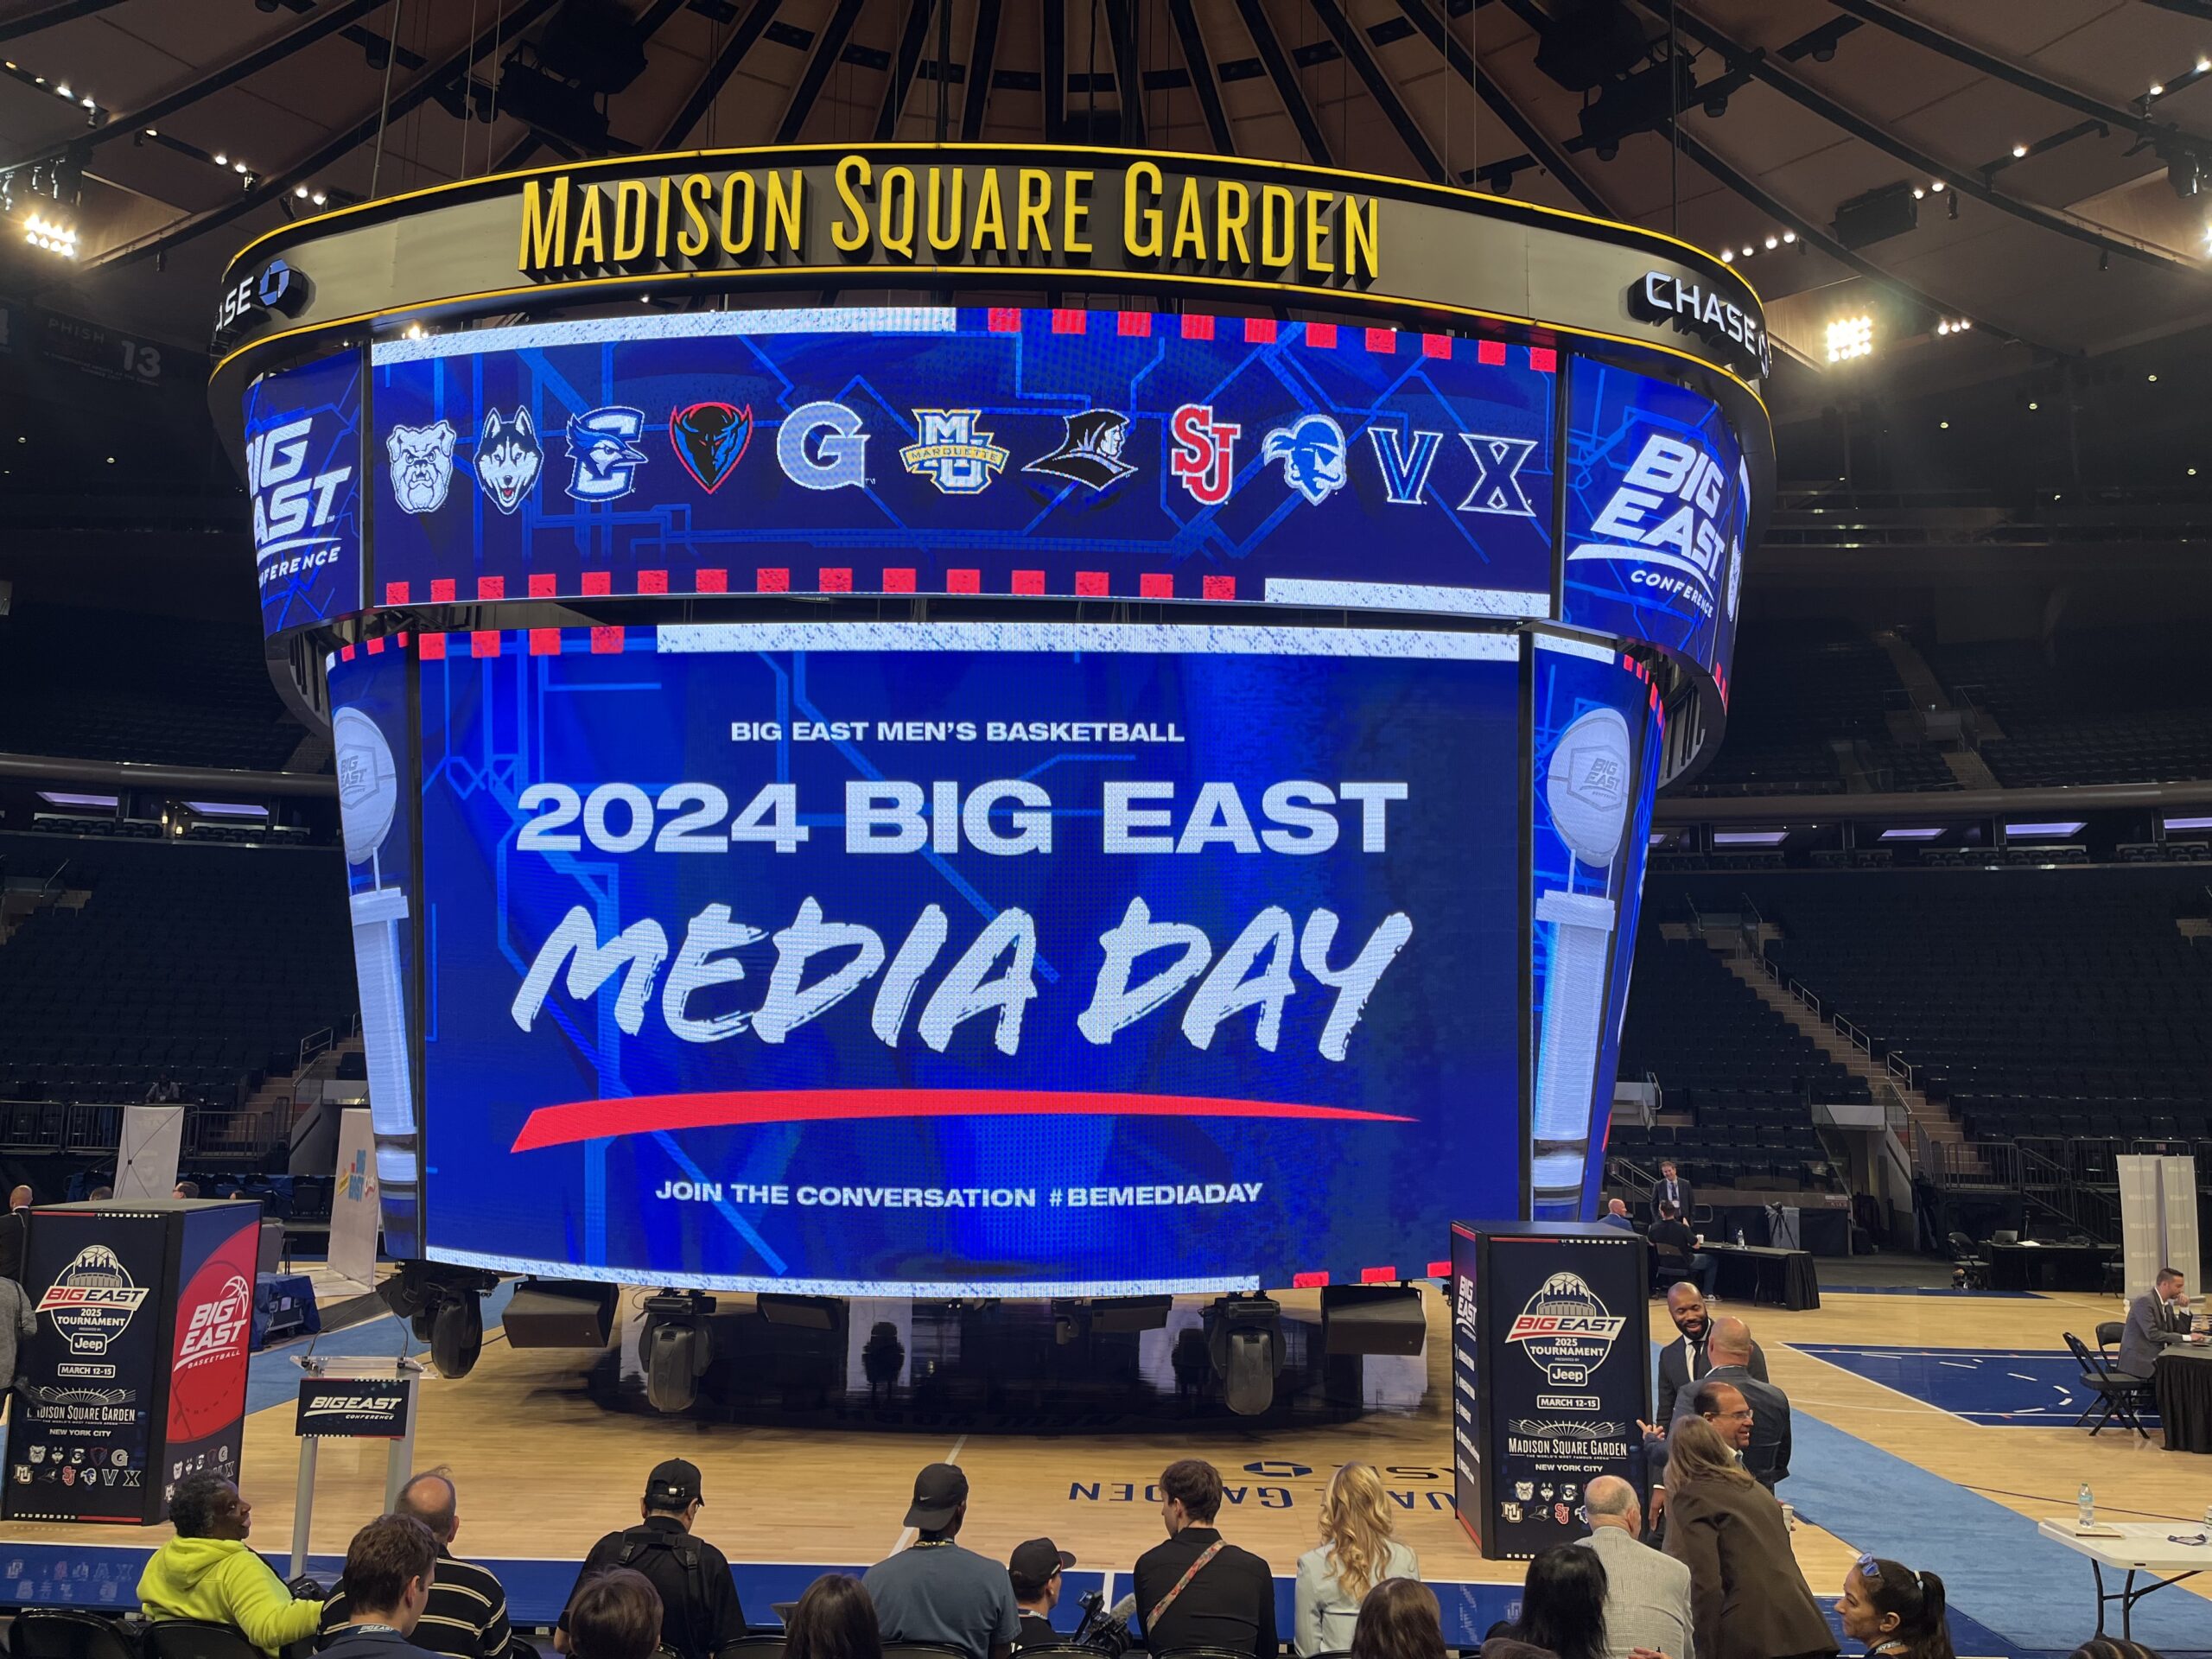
[(1943, 425), (2157, 90), (1789, 236), (1728, 255), (1936, 184), (221, 160), (2032, 407), (1851, 337), (2019, 150), (61, 89)]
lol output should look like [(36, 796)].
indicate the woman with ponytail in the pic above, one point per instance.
[(1895, 1610), (1357, 1553)]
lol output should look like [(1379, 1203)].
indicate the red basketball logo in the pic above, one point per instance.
[(214, 1325)]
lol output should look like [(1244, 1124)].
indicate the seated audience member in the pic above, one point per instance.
[(1749, 1598), (1647, 1594), (1562, 1605), (2156, 1319), (1197, 1589), (1894, 1611), (1034, 1570), (467, 1614), (700, 1614), (1616, 1216), (835, 1620), (207, 1573), (390, 1564), (99, 1195), (615, 1613), (1399, 1619), (1357, 1553), (935, 1591), (1668, 1229), (185, 1190)]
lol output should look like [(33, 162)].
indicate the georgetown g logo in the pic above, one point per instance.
[(951, 453), (821, 447), (1311, 451), (508, 458), (422, 466), (603, 443)]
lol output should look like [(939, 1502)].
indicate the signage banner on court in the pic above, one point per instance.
[(854, 958), (353, 1407), (935, 450)]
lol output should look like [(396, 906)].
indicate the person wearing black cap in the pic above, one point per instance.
[(1035, 1571), (700, 1614), (934, 1591)]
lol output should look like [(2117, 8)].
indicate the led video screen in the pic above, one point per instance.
[(303, 469), (937, 450), (939, 957)]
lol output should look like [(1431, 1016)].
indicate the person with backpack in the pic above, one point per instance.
[(700, 1614)]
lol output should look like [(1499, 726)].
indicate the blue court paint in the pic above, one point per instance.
[(2017, 1388), (1929, 1290)]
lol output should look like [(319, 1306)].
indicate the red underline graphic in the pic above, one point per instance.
[(594, 1120)]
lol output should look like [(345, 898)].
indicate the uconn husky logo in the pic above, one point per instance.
[(1311, 451), (603, 444), (508, 458)]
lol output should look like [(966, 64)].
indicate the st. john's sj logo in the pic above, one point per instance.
[(709, 439)]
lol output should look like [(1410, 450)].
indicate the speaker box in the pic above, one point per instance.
[(1373, 1319), (560, 1313)]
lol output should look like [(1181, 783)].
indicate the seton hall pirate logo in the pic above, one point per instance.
[(709, 439), (1565, 1330), (91, 1300)]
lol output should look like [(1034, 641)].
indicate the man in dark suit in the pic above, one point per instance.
[(1673, 1189), (1196, 1589), (2155, 1320), (1616, 1215), (1766, 1449), (1685, 1360)]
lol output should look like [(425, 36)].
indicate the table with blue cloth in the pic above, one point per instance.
[(283, 1306)]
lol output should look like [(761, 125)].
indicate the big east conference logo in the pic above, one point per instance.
[(214, 1322), (91, 1300), (1565, 1330), (1667, 514)]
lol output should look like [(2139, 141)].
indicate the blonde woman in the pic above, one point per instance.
[(1357, 1553)]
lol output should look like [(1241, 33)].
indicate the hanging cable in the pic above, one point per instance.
[(384, 107), (468, 90), (499, 22)]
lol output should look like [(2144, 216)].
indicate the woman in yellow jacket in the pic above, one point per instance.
[(207, 1572)]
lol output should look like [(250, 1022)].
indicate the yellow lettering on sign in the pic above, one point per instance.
[(1278, 208), (1190, 223), (852, 237), (1232, 207), (945, 240), (894, 211), (629, 219), (696, 191), (737, 222), (1317, 229), (590, 245), (1360, 240), (544, 226), (1032, 209), (1141, 225), (660, 223), (990, 214), (786, 192), (1073, 212)]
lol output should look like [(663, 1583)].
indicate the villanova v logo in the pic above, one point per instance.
[(1404, 476)]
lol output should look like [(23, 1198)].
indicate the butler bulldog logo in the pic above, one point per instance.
[(1566, 1332), (92, 1300), (422, 465)]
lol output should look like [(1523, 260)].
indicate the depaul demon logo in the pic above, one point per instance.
[(508, 458), (422, 465), (603, 443), (1091, 454), (709, 439), (1566, 1330), (92, 1300), (1312, 450)]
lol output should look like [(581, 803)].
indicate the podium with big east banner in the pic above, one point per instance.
[(1550, 1373), (135, 1376)]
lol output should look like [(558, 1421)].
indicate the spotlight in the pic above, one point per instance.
[(1942, 327), (1244, 1341), (1935, 185), (674, 1347), (318, 198), (88, 102), (1789, 236), (221, 160), (2019, 150), (1851, 337), (2204, 65), (2156, 90), (1748, 250), (301, 191), (2032, 407), (1943, 425), (2153, 379), (1728, 255), (238, 167), (1918, 192), (61, 88), (1966, 322), (1773, 242)]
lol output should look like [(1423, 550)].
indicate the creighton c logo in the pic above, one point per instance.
[(1566, 1330), (951, 453)]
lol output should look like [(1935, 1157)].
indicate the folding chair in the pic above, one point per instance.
[(2121, 1396)]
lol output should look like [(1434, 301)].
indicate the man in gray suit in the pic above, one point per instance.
[(1767, 1454), (1647, 1594), (2154, 1321)]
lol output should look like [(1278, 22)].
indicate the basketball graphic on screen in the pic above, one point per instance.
[(214, 1327)]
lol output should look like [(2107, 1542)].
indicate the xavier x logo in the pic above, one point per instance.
[(1497, 489)]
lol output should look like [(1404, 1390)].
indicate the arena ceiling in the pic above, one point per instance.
[(2069, 137)]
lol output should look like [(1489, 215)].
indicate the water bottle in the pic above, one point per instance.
[(1740, 1237), (2085, 1505)]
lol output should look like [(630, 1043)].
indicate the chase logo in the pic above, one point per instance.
[(821, 447), (275, 284), (603, 443), (952, 452), (274, 287)]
